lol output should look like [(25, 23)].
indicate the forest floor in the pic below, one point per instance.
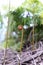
[(27, 57)]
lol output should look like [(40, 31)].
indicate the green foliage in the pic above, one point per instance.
[(17, 18)]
